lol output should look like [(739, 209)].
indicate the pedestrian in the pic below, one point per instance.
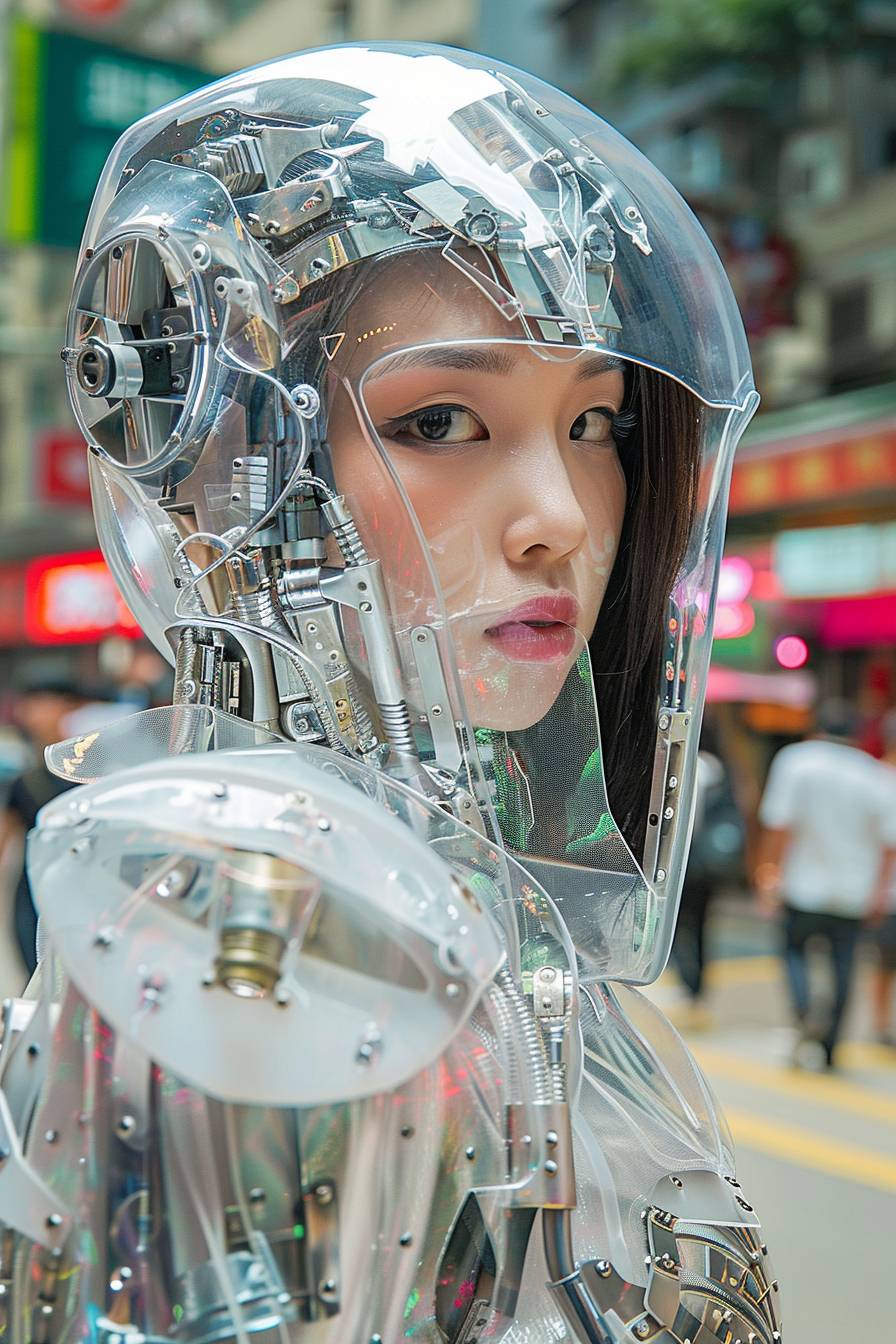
[(882, 919), (715, 854), (827, 822), (41, 712)]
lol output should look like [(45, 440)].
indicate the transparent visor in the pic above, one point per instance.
[(553, 516)]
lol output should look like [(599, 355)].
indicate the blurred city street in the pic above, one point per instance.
[(816, 1153), (775, 120)]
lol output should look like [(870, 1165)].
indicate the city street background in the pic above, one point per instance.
[(776, 119)]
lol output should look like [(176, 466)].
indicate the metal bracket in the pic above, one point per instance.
[(664, 815), (437, 706)]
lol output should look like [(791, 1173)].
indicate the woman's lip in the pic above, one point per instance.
[(562, 608), (523, 643)]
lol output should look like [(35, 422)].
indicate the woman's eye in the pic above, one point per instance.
[(593, 426), (439, 424)]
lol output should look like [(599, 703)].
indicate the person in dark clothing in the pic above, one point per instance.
[(40, 712)]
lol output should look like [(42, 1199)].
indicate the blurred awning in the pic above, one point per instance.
[(833, 451)]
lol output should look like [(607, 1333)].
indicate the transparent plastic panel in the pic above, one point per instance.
[(245, 906), (151, 735)]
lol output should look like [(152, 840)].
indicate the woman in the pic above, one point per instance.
[(412, 390)]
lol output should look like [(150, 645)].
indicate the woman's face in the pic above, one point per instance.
[(509, 462)]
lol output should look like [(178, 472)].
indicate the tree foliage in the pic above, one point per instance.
[(682, 39)]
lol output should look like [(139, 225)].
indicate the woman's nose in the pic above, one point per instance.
[(544, 520)]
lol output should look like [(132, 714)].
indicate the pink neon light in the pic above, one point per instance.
[(791, 651), (735, 579), (733, 619)]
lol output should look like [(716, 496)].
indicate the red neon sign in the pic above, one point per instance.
[(72, 599)]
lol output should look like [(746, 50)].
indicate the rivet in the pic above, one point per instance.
[(407, 1131), (470, 1153), (126, 1125), (552, 1138), (366, 606), (54, 1220), (323, 824), (551, 1167), (452, 990), (34, 1049), (52, 1136), (324, 1194), (257, 1195), (604, 1268), (405, 1239)]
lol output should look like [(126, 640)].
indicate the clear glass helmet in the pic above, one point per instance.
[(412, 390)]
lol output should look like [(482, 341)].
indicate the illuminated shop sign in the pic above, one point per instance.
[(73, 599), (836, 561)]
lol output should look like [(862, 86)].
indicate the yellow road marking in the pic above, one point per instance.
[(744, 971), (834, 1092), (833, 1157), (866, 1055), (734, 971)]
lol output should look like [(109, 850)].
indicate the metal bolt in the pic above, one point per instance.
[(407, 1131), (324, 824), (283, 998), (257, 1195), (551, 1167), (552, 1138), (665, 721), (366, 606), (641, 1330), (547, 974), (660, 874), (103, 938), (327, 1288), (604, 1268), (452, 990), (54, 1220), (673, 782), (126, 1125), (405, 1239), (52, 1136), (668, 813), (324, 1194), (470, 1153)]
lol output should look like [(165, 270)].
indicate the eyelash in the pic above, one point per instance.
[(622, 423)]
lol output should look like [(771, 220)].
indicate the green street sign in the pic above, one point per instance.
[(69, 99)]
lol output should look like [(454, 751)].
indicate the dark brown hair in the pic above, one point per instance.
[(661, 461)]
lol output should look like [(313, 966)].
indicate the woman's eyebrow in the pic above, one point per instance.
[(487, 360), (593, 365)]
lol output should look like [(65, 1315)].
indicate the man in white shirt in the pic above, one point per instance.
[(827, 827)]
